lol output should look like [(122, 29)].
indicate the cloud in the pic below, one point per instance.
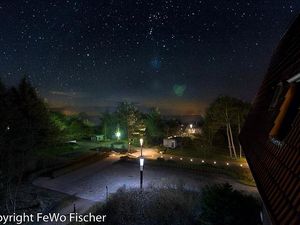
[(69, 94)]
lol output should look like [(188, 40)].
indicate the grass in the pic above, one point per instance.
[(204, 152), (58, 150), (68, 149), (240, 174)]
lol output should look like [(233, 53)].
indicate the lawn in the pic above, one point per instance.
[(196, 149), (69, 149)]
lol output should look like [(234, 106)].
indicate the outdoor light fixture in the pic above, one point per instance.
[(141, 163), (118, 134), (202, 161), (241, 165), (141, 141), (142, 160), (191, 126), (215, 162), (227, 164), (191, 160), (180, 158)]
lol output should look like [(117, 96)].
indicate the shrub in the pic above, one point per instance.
[(173, 204), (224, 206), (151, 206)]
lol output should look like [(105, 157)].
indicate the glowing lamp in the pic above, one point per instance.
[(141, 141), (118, 134), (142, 160)]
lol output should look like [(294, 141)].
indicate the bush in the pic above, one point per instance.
[(167, 204), (224, 206), (151, 206)]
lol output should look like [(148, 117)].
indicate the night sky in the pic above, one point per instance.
[(89, 55)]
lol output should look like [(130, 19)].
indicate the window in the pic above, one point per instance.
[(288, 110), (276, 97)]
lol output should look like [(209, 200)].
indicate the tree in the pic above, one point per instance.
[(109, 124), (171, 127), (72, 127), (224, 206), (225, 113), (154, 126), (129, 119), (27, 129)]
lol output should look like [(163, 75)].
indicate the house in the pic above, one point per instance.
[(170, 143), (97, 138), (271, 134)]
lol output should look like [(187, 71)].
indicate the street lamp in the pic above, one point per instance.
[(141, 143), (118, 134), (142, 160)]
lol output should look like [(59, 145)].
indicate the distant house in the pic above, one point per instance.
[(170, 143), (97, 138), (271, 134)]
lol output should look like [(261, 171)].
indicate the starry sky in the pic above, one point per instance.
[(89, 55)]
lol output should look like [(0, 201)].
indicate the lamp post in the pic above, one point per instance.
[(118, 134), (141, 143), (142, 160)]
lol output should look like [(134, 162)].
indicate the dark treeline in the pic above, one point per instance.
[(133, 124), (25, 127)]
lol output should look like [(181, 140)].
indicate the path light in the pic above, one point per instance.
[(202, 161), (180, 158), (227, 164), (142, 160), (215, 162), (241, 165), (191, 160), (171, 157)]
